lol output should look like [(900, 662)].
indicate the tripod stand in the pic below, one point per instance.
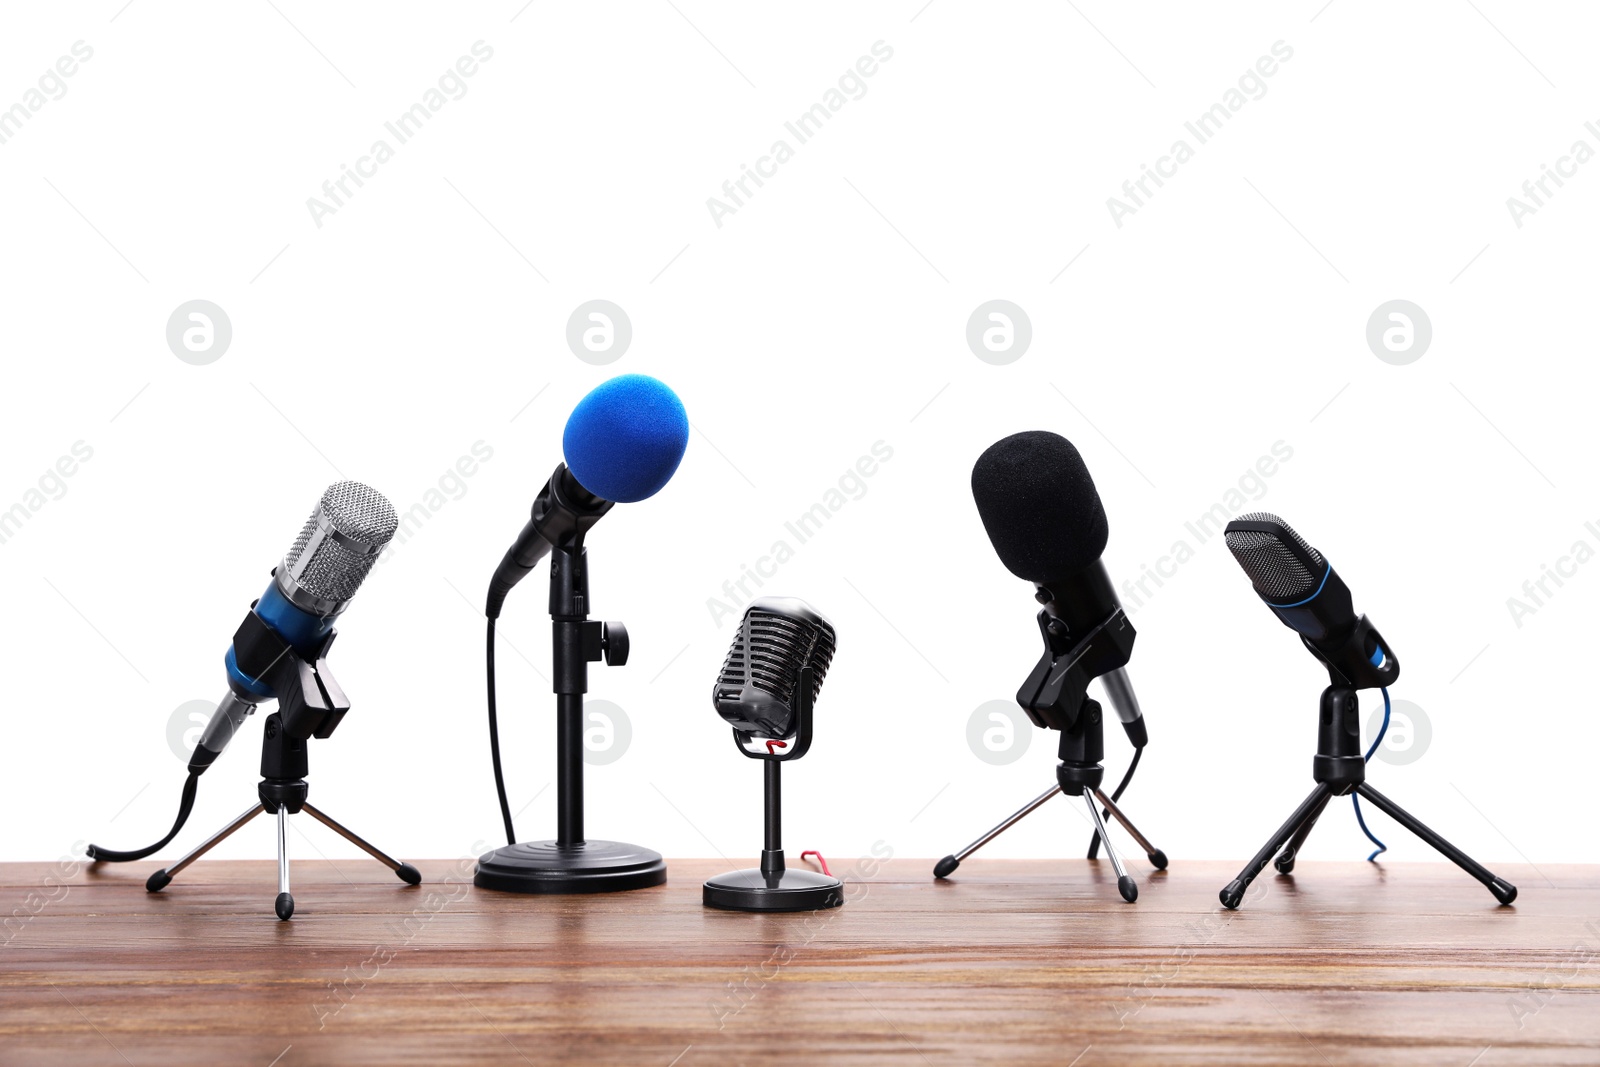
[(1338, 770), (1078, 774), (1055, 696), (282, 791)]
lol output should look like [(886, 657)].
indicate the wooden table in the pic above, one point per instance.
[(1028, 962)]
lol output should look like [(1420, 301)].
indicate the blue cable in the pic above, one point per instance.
[(1356, 800)]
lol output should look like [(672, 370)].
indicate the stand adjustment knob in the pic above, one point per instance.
[(614, 643)]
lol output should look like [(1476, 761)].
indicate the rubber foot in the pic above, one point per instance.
[(1233, 895), (284, 906), (161, 879), (1503, 890), (408, 874), (1285, 863), (1128, 888), (946, 867), (1158, 860)]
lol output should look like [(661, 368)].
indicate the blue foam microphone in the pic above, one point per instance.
[(622, 444)]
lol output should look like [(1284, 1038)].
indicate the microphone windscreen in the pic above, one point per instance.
[(625, 438), (1281, 565), (1039, 506)]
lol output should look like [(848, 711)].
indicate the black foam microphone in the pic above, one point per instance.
[(1308, 596), (1044, 517), (765, 691), (1045, 520)]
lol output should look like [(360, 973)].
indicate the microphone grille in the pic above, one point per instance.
[(337, 547), (1277, 571), (778, 637)]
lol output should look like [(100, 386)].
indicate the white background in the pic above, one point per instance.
[(828, 313)]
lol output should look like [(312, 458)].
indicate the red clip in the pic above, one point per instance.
[(773, 746)]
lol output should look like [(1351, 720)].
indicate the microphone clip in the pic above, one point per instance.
[(1056, 690), (1362, 660), (310, 701)]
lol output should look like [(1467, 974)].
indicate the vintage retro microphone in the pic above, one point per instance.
[(766, 690), (1045, 520), (1301, 587), (280, 652), (622, 443)]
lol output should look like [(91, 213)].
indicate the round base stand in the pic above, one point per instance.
[(793, 890), (592, 867)]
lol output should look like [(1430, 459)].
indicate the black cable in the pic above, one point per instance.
[(1116, 795), (185, 805), (494, 744)]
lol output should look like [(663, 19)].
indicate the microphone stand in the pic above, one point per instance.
[(310, 704), (1055, 696), (1340, 769), (572, 863)]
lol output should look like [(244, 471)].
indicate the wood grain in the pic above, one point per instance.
[(1018, 962)]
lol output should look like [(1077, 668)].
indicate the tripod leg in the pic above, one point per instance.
[(1285, 860), (1158, 859), (1125, 883), (945, 867), (159, 881), (407, 873), (284, 905), (1503, 890), (1233, 895)]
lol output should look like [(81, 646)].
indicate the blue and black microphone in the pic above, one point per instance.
[(622, 444), (1301, 587), (280, 650), (1308, 596)]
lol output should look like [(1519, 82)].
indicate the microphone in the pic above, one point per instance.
[(312, 587), (1308, 596), (279, 651), (1301, 587), (757, 691), (766, 690), (1044, 517), (622, 444)]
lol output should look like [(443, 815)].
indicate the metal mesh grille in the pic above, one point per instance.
[(357, 512), (779, 646), (1275, 571)]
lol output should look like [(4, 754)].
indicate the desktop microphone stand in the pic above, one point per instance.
[(571, 863), (1055, 696), (773, 886), (310, 704), (282, 792), (1340, 769)]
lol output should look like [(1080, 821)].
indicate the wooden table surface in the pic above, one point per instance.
[(1027, 962)]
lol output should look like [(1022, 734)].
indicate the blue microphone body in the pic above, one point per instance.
[(301, 629)]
